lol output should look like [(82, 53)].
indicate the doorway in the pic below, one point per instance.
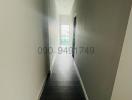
[(74, 34)]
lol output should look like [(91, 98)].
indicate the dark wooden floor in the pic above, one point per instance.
[(63, 83)]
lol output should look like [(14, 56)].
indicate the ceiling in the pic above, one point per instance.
[(64, 7)]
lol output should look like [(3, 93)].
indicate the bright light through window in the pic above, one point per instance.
[(65, 35)]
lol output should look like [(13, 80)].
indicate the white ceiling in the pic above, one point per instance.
[(64, 7)]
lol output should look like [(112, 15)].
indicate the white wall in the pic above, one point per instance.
[(123, 84), (100, 24), (23, 26), (64, 7), (53, 29)]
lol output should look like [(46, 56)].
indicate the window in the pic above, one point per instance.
[(65, 35)]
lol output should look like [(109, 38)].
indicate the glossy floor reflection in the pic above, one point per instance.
[(63, 83)]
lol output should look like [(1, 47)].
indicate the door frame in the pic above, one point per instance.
[(74, 35)]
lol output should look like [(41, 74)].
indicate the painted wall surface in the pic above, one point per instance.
[(100, 24), (23, 28), (53, 28), (123, 84)]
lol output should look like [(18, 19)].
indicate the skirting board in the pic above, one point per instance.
[(78, 74)]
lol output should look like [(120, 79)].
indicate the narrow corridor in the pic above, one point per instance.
[(63, 83)]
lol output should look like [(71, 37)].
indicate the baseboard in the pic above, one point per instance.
[(78, 74), (43, 85)]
